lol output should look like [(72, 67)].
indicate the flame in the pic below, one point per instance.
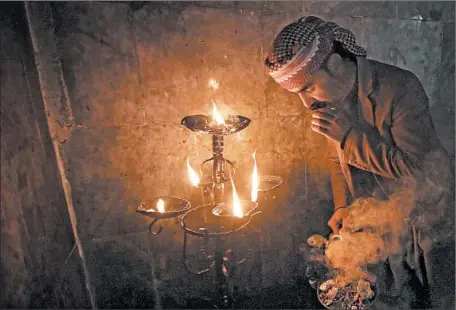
[(194, 178), (160, 206), (213, 84), (255, 181), (217, 117), (237, 210)]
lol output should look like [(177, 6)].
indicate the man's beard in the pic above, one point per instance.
[(334, 104)]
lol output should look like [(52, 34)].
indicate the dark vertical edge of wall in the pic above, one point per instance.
[(39, 20)]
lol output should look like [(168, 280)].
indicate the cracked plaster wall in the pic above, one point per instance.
[(37, 270)]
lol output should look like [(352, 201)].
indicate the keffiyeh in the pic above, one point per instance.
[(302, 46)]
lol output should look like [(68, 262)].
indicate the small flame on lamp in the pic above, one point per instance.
[(237, 210), (217, 117), (213, 84), (194, 178), (160, 206), (255, 181)]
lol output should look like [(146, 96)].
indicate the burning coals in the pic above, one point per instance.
[(343, 281), (353, 296)]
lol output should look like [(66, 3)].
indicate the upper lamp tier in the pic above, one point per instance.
[(206, 124)]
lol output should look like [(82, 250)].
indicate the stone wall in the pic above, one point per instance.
[(128, 72), (39, 267)]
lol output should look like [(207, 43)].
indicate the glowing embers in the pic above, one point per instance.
[(370, 234), (358, 295)]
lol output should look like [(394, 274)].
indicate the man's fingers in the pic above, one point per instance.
[(334, 227), (320, 123), (333, 223), (330, 111), (323, 116), (320, 130)]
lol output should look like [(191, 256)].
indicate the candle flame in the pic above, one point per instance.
[(194, 178), (160, 206), (255, 181), (237, 209), (217, 117)]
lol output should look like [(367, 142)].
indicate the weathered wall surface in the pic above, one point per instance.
[(132, 71), (37, 270)]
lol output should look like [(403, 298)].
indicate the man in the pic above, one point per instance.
[(380, 133)]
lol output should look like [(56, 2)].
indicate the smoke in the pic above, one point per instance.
[(374, 230)]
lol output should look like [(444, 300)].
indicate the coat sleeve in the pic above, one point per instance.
[(412, 131), (341, 193)]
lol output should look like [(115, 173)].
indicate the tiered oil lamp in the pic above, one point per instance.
[(217, 217)]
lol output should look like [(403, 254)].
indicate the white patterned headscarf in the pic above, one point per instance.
[(302, 46)]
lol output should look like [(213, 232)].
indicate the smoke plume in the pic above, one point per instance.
[(373, 231)]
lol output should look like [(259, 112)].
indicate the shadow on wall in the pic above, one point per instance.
[(121, 272), (129, 267), (307, 199), (119, 262)]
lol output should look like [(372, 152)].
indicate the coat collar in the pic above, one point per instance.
[(365, 87)]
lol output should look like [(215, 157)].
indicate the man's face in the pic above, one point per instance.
[(324, 86)]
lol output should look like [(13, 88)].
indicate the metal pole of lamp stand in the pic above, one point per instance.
[(223, 296), (218, 225)]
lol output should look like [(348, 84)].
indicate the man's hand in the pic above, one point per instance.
[(337, 219), (333, 124)]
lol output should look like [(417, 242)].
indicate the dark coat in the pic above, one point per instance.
[(393, 144), (393, 141)]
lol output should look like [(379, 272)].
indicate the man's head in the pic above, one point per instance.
[(309, 57)]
